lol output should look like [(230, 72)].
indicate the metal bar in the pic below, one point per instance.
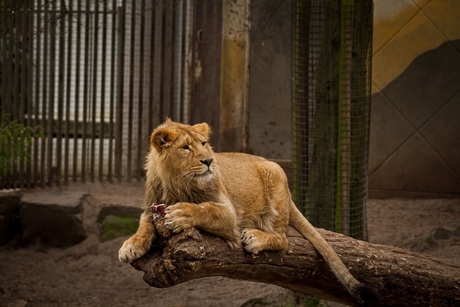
[(14, 95), (52, 87), (95, 90), (140, 137), (68, 91), (21, 86), (103, 80), (29, 91), (176, 54), (44, 93), (152, 66), (120, 91), (77, 92), (163, 62), (85, 90), (131, 90), (112, 89), (172, 63), (37, 97), (60, 101)]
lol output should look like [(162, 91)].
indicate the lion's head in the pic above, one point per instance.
[(182, 157)]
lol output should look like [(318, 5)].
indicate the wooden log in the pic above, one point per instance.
[(399, 277)]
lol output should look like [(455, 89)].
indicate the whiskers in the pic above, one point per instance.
[(194, 177)]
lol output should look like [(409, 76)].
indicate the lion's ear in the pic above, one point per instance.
[(204, 129), (162, 138)]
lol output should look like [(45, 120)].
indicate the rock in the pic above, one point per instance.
[(9, 216), (52, 218)]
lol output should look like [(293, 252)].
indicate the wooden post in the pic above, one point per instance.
[(234, 75)]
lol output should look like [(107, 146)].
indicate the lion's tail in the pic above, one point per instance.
[(354, 287)]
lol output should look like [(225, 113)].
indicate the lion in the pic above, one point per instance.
[(242, 198)]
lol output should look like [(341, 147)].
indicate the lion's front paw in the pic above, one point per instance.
[(251, 240), (132, 249), (180, 216)]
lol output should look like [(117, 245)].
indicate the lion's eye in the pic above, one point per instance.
[(203, 143), (186, 147)]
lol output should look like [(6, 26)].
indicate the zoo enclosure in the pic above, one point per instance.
[(96, 76)]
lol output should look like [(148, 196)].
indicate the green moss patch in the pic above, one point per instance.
[(114, 226)]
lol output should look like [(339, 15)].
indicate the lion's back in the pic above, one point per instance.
[(248, 178)]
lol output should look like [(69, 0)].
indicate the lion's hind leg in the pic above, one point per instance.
[(255, 240)]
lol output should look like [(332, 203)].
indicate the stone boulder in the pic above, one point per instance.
[(9, 216), (52, 218)]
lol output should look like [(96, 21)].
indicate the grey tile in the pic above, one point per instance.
[(389, 129), (415, 167), (426, 85), (442, 132)]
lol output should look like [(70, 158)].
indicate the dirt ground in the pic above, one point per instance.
[(89, 274)]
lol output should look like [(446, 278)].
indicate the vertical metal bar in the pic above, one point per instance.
[(21, 37), (76, 133), (29, 86), (163, 112), (186, 79), (131, 89), (112, 88), (120, 91), (140, 138), (85, 89), (196, 39), (44, 93), (176, 54), (172, 63), (152, 109), (60, 101), (52, 86), (37, 97), (68, 91), (94, 89), (103, 85), (14, 95)]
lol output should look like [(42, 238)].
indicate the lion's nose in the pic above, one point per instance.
[(207, 162)]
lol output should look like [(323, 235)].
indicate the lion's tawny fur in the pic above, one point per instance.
[(241, 198)]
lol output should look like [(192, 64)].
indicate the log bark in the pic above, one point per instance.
[(399, 277)]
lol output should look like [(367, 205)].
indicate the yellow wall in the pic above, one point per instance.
[(404, 29), (415, 119)]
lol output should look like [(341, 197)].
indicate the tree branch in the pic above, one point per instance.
[(399, 277)]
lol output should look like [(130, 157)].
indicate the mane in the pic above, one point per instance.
[(170, 191)]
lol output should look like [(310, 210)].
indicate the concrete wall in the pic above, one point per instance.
[(270, 80), (415, 126), (415, 120)]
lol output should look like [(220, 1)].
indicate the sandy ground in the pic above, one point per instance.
[(89, 274)]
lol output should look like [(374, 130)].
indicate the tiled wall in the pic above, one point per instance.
[(415, 120)]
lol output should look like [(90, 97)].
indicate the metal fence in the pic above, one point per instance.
[(331, 105), (95, 77)]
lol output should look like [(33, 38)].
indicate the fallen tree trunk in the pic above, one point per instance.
[(399, 277)]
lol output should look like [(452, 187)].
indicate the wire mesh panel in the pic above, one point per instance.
[(331, 104)]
